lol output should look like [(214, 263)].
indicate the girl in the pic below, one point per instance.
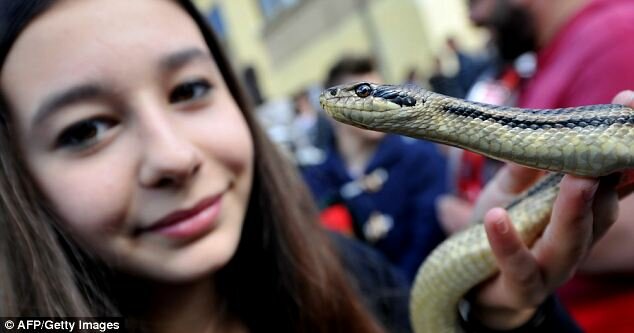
[(135, 183)]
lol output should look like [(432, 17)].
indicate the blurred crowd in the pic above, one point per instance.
[(403, 196)]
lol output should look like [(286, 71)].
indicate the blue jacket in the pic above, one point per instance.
[(416, 176)]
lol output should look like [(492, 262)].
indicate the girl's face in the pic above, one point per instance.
[(129, 129)]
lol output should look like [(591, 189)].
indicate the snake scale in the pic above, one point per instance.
[(585, 141)]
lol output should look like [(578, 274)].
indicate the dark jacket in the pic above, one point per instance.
[(416, 176)]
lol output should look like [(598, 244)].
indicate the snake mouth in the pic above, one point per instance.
[(380, 119), (346, 114), (351, 117)]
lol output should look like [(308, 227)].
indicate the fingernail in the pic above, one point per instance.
[(501, 226)]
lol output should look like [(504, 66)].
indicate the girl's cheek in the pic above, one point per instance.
[(236, 144), (237, 152), (89, 199)]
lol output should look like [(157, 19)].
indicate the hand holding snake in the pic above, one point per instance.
[(589, 141)]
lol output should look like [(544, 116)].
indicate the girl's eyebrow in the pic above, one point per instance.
[(178, 59), (67, 97)]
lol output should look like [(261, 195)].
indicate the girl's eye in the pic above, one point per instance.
[(190, 91), (84, 133)]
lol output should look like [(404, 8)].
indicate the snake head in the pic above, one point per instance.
[(369, 105)]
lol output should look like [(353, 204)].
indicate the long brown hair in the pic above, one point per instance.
[(284, 277)]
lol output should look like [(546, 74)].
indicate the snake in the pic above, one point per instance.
[(590, 141)]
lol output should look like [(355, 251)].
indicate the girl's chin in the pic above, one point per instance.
[(178, 272), (167, 275), (163, 263)]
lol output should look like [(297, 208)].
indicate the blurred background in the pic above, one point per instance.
[(282, 46)]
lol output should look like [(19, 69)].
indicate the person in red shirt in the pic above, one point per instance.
[(584, 56)]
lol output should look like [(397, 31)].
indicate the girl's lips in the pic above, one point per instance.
[(190, 222)]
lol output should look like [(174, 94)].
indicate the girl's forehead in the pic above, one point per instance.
[(102, 17), (81, 40), (77, 26)]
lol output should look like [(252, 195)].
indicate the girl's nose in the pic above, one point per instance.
[(169, 160)]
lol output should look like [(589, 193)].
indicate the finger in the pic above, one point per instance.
[(605, 207), (521, 282), (624, 97), (567, 238), (517, 178), (453, 213), (511, 180)]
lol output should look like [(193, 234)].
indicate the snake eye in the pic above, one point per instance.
[(363, 90)]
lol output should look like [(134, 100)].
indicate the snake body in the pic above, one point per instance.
[(584, 141)]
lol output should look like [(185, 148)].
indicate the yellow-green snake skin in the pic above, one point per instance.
[(585, 141)]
